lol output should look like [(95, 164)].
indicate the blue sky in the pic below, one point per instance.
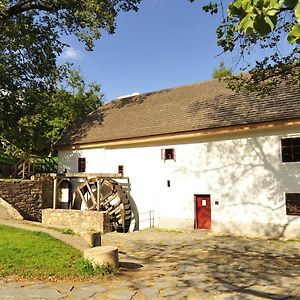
[(165, 44)]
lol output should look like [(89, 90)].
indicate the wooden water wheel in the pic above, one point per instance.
[(104, 195)]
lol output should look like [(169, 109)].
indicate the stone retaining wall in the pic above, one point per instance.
[(77, 220), (28, 197)]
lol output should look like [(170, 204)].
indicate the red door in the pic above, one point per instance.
[(202, 212)]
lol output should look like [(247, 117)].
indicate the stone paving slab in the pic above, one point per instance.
[(29, 293), (189, 265)]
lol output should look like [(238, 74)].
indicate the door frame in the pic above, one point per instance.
[(195, 207)]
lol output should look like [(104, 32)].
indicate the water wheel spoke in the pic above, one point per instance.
[(109, 200), (114, 210), (91, 193), (82, 196), (93, 207), (104, 199)]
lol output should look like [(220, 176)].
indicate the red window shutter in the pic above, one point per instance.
[(173, 154)]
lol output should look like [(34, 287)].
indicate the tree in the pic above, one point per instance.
[(221, 72), (262, 23), (35, 127), (30, 41)]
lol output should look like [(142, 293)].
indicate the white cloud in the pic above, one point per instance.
[(72, 53)]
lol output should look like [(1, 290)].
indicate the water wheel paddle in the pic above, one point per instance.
[(104, 195)]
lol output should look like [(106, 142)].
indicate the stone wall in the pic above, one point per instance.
[(28, 197), (77, 220)]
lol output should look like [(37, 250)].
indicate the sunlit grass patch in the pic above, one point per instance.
[(29, 254)]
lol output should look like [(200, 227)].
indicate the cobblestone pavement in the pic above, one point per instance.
[(188, 265)]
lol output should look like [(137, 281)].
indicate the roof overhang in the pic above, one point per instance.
[(184, 136)]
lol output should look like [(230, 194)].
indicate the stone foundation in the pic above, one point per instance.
[(77, 220), (28, 197)]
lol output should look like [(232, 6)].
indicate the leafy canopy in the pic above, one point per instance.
[(46, 116), (263, 23), (30, 41)]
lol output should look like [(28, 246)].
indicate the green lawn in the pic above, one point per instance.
[(29, 254)]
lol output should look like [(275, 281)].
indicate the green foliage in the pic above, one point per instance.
[(246, 24), (30, 42), (29, 254), (85, 267), (43, 116), (6, 160), (221, 72), (68, 231)]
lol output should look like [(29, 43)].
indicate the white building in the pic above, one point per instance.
[(200, 156)]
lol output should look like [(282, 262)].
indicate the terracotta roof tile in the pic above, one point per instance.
[(197, 106)]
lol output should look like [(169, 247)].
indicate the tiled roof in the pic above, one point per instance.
[(203, 105)]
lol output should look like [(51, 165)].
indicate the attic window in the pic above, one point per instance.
[(81, 164), (168, 154), (292, 201), (290, 149)]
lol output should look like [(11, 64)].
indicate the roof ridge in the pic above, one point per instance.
[(166, 89)]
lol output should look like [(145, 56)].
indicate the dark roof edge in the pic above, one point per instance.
[(267, 125)]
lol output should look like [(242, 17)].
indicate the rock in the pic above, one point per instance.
[(105, 255), (82, 294), (121, 294), (22, 293)]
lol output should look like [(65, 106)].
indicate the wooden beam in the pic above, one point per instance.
[(91, 175), (91, 192), (82, 197), (54, 192), (98, 194)]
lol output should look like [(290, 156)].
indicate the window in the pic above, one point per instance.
[(167, 154), (121, 170), (290, 149), (292, 202), (81, 164)]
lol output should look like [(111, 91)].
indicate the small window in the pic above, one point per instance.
[(167, 154), (121, 170), (290, 149), (81, 164), (292, 202)]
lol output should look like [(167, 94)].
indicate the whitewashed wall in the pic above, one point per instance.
[(243, 173)]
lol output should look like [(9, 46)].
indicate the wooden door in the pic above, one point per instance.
[(202, 212)]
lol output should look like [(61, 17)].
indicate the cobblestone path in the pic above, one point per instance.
[(188, 265)]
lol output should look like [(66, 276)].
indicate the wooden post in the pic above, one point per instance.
[(23, 171), (98, 194), (54, 192)]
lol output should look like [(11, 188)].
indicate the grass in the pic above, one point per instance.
[(27, 254), (68, 231)]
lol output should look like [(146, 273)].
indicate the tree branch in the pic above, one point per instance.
[(22, 7)]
